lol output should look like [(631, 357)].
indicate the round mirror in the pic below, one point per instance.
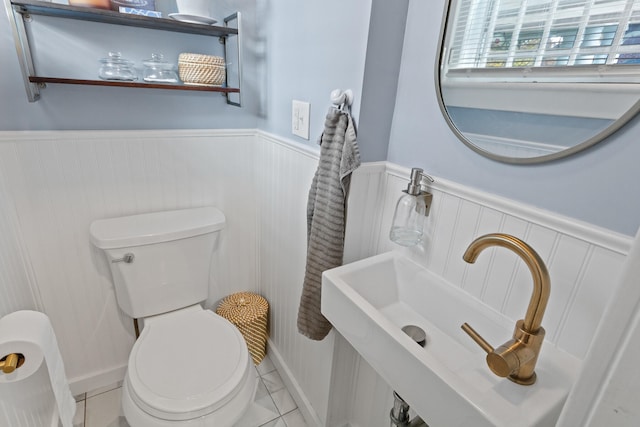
[(536, 80)]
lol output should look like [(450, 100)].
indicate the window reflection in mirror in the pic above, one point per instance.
[(533, 80)]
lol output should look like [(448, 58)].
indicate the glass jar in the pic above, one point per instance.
[(115, 67), (157, 70)]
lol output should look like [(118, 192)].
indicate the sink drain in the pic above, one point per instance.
[(416, 333)]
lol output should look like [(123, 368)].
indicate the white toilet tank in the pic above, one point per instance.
[(160, 261)]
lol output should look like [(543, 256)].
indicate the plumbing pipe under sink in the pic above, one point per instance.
[(399, 414)]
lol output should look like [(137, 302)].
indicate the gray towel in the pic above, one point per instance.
[(326, 216)]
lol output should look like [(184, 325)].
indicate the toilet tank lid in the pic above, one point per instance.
[(155, 227)]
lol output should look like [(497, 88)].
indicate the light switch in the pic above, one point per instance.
[(300, 119)]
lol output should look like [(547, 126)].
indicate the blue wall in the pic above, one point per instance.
[(599, 186), (315, 47), (304, 50), (382, 67), (311, 48)]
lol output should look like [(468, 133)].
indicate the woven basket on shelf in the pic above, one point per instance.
[(248, 312), (197, 69)]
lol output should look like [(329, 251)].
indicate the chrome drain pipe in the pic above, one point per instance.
[(399, 414)]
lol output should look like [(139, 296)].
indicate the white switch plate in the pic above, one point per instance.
[(300, 119)]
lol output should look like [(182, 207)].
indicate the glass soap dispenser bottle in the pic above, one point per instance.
[(411, 209)]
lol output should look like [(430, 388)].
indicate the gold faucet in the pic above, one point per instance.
[(516, 359)]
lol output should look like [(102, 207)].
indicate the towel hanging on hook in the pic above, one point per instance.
[(342, 99), (327, 209)]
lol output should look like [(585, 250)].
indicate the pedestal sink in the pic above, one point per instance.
[(447, 382)]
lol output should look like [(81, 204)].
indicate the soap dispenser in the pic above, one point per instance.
[(411, 209)]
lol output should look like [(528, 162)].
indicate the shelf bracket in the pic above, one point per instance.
[(23, 49), (234, 68)]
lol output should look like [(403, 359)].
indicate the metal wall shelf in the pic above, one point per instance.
[(116, 83), (20, 11)]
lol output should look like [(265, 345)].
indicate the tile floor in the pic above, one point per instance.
[(273, 405)]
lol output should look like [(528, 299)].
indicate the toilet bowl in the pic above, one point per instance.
[(169, 380), (189, 366)]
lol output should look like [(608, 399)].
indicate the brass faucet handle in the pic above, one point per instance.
[(9, 363), (477, 338), (512, 358), (503, 360)]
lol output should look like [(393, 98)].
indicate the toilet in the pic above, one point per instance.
[(189, 366)]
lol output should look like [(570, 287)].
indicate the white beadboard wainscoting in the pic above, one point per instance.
[(285, 172), (53, 184), (17, 290)]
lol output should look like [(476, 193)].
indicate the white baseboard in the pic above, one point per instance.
[(94, 381)]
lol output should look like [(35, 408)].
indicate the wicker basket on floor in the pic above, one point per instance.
[(197, 69), (249, 313)]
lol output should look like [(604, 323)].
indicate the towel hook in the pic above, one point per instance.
[(341, 98)]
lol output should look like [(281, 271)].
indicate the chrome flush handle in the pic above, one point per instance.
[(127, 258)]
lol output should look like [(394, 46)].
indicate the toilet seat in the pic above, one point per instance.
[(170, 373)]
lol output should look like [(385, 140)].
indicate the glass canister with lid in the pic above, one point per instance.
[(115, 67), (157, 70)]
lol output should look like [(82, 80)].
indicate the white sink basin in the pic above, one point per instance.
[(447, 382)]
